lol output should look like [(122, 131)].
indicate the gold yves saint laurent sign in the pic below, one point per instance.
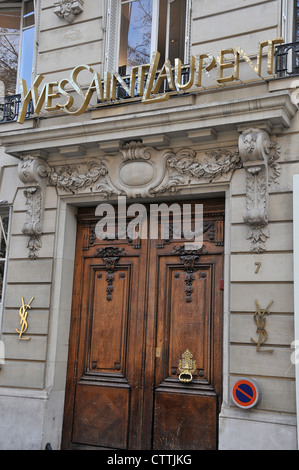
[(145, 81)]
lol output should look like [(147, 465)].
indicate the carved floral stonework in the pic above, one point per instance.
[(33, 224), (183, 167), (139, 171), (31, 173), (69, 179), (68, 9), (258, 157)]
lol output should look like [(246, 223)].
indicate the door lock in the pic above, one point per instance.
[(186, 366)]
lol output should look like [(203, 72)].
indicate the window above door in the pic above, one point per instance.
[(137, 28)]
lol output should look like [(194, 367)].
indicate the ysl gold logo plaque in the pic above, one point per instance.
[(260, 321), (23, 319)]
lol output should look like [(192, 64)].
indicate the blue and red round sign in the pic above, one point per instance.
[(246, 393)]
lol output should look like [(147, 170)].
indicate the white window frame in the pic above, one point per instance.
[(22, 29), (21, 5), (5, 210), (287, 20), (113, 15)]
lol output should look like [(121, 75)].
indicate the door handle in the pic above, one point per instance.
[(186, 366)]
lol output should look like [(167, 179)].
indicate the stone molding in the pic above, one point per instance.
[(98, 128), (31, 173), (68, 9)]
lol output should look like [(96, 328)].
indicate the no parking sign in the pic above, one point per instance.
[(246, 393)]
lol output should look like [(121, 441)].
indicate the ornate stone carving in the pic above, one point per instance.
[(184, 166), (254, 147), (110, 255), (68, 9), (69, 179), (135, 151), (33, 225), (31, 172), (139, 171), (273, 166)]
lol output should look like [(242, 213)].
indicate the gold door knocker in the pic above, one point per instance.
[(186, 366)]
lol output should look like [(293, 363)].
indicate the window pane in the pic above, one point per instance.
[(135, 33), (3, 235), (28, 19), (162, 31), (29, 7), (3, 245), (177, 23), (27, 55), (10, 21), (9, 48), (9, 51), (296, 23), (1, 278)]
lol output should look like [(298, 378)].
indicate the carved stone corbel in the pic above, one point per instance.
[(31, 173), (68, 9), (254, 150)]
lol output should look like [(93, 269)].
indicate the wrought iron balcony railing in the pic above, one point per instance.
[(10, 106), (287, 60)]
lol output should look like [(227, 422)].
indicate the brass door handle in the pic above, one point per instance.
[(186, 366)]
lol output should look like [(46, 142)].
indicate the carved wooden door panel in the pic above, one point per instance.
[(187, 372), (143, 312), (187, 314), (104, 393)]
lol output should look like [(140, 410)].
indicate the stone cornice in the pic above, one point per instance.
[(276, 109)]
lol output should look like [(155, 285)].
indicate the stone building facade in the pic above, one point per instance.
[(226, 131)]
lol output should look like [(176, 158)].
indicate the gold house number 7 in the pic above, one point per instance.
[(258, 267)]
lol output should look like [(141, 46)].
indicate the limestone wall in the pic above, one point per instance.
[(35, 374)]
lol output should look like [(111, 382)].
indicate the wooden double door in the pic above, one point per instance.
[(146, 319)]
